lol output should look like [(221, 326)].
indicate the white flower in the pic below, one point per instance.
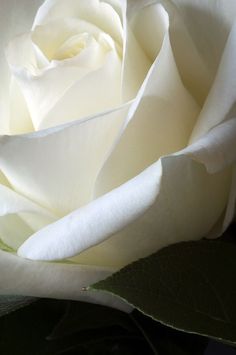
[(118, 135)]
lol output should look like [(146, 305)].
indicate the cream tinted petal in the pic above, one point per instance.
[(23, 55), (209, 24), (176, 200), (14, 231), (34, 88), (62, 281), (192, 68), (161, 122), (81, 230), (51, 36), (13, 20), (189, 203), (20, 53), (3, 180), (221, 101), (217, 148), (34, 82), (98, 13), (116, 4), (12, 202), (20, 120), (135, 62), (97, 91), (69, 155), (14, 228), (67, 99), (150, 25)]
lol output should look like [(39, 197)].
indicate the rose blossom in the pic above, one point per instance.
[(117, 135)]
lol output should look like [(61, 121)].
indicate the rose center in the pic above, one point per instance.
[(73, 46)]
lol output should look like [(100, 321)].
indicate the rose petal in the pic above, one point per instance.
[(221, 101), (203, 201), (149, 26), (96, 92), (20, 120), (14, 231), (193, 71), (162, 210), (44, 244), (17, 21), (135, 61), (98, 13), (95, 222), (209, 24), (20, 217), (64, 281), (13, 202), (160, 124), (70, 155), (216, 149), (189, 204), (81, 92), (51, 36)]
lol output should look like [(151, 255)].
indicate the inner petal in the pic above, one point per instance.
[(73, 46), (162, 121), (100, 13), (149, 26), (50, 37)]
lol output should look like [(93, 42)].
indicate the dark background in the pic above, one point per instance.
[(53, 327)]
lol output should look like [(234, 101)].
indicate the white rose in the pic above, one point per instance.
[(118, 135)]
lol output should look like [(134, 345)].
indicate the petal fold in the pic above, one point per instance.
[(70, 155), (77, 231), (17, 21), (221, 101)]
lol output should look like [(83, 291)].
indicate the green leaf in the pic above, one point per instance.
[(189, 286), (10, 304)]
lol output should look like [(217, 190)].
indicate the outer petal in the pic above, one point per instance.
[(13, 20), (217, 149), (221, 101), (95, 222), (70, 155), (209, 23), (177, 202), (22, 277), (20, 217), (192, 68)]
